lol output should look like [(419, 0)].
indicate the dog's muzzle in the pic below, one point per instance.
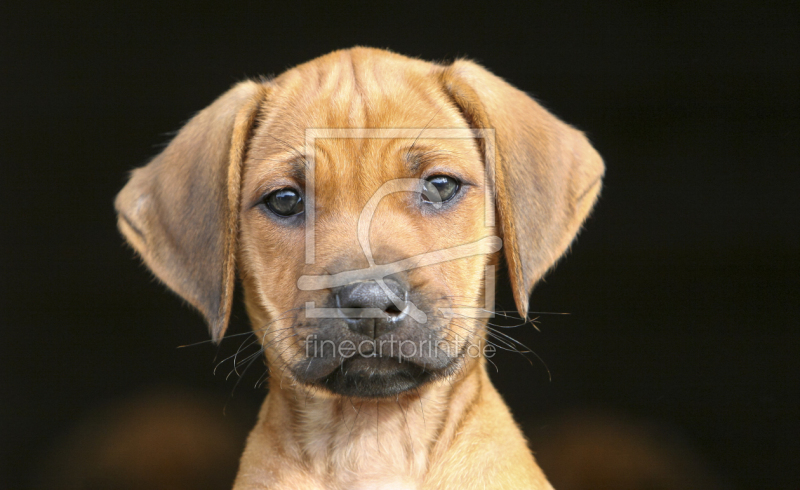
[(370, 343), (373, 308)]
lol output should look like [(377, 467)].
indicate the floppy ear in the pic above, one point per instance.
[(547, 174), (180, 211)]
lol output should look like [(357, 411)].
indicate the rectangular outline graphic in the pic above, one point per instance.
[(489, 156)]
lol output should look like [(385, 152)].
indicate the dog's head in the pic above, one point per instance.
[(356, 195)]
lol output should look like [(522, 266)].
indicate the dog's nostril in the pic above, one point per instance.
[(393, 310), (364, 303)]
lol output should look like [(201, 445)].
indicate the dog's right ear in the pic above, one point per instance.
[(547, 176), (180, 212)]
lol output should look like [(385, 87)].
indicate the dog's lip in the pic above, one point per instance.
[(372, 365), (374, 377), (317, 369)]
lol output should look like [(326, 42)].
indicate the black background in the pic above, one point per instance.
[(682, 289)]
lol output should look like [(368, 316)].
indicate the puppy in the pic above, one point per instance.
[(356, 195)]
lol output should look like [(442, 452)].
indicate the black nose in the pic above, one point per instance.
[(369, 310)]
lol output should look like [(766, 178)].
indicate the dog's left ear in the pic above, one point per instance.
[(180, 211), (547, 175)]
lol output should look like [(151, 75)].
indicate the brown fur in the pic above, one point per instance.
[(193, 213)]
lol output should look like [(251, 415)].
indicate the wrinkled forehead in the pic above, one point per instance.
[(352, 91), (368, 123)]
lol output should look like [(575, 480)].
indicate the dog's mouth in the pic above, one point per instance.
[(374, 377), (343, 362)]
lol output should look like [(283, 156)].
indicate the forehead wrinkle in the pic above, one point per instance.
[(292, 161), (367, 97), (356, 92), (342, 157), (421, 155), (349, 171), (338, 97), (273, 151), (258, 176)]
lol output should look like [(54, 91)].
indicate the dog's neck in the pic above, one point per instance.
[(349, 443)]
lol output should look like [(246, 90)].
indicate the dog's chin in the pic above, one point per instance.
[(374, 377)]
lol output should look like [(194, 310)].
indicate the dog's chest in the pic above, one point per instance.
[(371, 446), (383, 485)]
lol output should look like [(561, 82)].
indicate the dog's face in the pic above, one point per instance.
[(413, 196), (362, 252)]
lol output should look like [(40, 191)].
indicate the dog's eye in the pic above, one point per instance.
[(285, 202), (440, 188)]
